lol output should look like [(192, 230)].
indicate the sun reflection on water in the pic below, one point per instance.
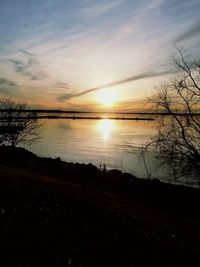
[(106, 127)]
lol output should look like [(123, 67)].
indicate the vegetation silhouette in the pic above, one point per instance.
[(177, 142), (16, 125), (53, 212)]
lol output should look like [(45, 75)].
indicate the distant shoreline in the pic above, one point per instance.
[(98, 112), (92, 118), (83, 118)]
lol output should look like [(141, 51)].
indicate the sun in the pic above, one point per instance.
[(107, 97)]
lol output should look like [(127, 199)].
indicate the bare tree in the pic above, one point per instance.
[(17, 126), (177, 143)]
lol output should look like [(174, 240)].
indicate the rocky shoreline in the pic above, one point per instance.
[(54, 213)]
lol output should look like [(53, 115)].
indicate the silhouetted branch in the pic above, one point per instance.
[(177, 142), (16, 126)]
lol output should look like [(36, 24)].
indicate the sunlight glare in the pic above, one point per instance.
[(107, 97), (106, 127)]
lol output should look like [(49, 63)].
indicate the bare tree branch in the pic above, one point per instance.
[(177, 142), (16, 125)]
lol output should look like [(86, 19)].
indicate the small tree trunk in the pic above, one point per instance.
[(13, 143)]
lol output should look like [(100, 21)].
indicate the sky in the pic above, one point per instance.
[(94, 55)]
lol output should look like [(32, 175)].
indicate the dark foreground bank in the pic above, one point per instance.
[(54, 213)]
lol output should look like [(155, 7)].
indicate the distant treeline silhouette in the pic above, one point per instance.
[(35, 111), (78, 118)]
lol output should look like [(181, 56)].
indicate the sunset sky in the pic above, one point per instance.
[(61, 53)]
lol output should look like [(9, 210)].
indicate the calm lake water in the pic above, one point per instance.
[(115, 143)]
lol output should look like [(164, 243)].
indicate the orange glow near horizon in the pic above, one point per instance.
[(107, 97)]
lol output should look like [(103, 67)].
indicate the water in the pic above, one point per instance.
[(113, 143)]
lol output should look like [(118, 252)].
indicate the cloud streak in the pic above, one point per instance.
[(28, 66), (62, 85), (144, 75), (99, 10), (8, 87), (6, 82), (89, 44), (190, 33)]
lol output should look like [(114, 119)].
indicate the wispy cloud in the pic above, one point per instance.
[(62, 85), (28, 66), (58, 47), (115, 83), (192, 32), (8, 87), (100, 9), (25, 52), (6, 82)]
